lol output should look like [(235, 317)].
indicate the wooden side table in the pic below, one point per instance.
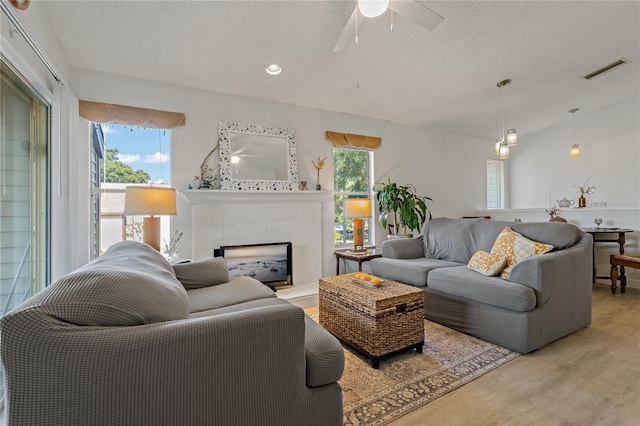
[(596, 232), (357, 257)]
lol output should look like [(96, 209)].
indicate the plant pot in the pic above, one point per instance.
[(204, 185)]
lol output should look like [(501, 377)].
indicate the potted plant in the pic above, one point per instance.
[(207, 177), (408, 210)]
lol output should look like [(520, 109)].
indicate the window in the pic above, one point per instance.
[(24, 189), (131, 156), (352, 177), (495, 184)]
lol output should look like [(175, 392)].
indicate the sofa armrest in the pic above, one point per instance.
[(324, 353), (405, 248), (565, 271), (231, 368)]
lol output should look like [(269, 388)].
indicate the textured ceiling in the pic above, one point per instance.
[(445, 78)]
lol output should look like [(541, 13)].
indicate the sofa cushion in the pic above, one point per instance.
[(130, 284), (407, 271), (237, 290), (202, 273), (486, 263), (463, 282), (515, 248), (457, 240)]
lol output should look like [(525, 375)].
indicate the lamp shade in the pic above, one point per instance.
[(149, 200), (575, 151), (357, 208)]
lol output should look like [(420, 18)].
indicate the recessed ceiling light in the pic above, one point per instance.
[(273, 69)]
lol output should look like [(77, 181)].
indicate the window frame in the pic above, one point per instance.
[(368, 222), (498, 189)]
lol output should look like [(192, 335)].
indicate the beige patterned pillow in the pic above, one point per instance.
[(486, 263), (516, 247)]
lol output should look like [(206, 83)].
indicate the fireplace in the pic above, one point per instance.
[(268, 263)]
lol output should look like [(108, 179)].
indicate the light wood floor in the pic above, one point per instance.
[(591, 377)]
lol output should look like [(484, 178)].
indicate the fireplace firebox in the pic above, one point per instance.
[(269, 263)]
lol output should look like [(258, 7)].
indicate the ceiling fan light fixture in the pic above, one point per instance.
[(273, 69), (373, 8), (235, 159)]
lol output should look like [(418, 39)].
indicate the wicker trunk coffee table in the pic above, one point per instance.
[(376, 321)]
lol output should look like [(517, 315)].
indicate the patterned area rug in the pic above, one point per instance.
[(410, 380)]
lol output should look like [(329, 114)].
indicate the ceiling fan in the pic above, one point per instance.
[(410, 9)]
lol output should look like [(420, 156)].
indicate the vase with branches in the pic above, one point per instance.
[(318, 162), (584, 189)]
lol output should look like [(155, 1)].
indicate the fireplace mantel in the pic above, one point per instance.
[(213, 196)]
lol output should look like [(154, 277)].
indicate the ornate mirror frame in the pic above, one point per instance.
[(228, 182)]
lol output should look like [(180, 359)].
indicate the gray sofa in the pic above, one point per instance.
[(121, 342), (545, 298)]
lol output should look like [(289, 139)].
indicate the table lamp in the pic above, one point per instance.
[(356, 209), (150, 200)]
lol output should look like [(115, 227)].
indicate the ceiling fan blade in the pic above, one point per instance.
[(418, 13), (349, 32)]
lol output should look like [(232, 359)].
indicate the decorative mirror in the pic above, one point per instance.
[(257, 158)]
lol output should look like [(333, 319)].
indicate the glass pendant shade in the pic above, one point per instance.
[(372, 8), (499, 142), (575, 151), (504, 151), (512, 137)]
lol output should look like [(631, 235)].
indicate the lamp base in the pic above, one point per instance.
[(151, 231), (358, 234)]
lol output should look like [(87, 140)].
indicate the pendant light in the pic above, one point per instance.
[(574, 152), (504, 141)]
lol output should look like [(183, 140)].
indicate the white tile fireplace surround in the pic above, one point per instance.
[(222, 218)]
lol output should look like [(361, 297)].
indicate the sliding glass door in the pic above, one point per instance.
[(24, 245)]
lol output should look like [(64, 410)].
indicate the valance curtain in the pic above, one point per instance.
[(98, 112), (340, 140)]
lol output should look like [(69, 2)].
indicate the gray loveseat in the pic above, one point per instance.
[(545, 298), (121, 342)]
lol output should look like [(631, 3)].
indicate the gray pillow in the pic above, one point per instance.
[(203, 273)]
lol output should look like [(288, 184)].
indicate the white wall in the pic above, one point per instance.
[(609, 140), (440, 165), (541, 172)]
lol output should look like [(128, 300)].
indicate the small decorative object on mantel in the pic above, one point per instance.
[(207, 178), (303, 185), (584, 189), (318, 162), (564, 203)]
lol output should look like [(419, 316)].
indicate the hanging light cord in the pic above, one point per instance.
[(357, 56), (501, 120)]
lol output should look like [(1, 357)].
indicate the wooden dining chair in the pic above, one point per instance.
[(622, 261)]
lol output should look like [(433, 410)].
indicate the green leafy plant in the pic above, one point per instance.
[(401, 202)]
